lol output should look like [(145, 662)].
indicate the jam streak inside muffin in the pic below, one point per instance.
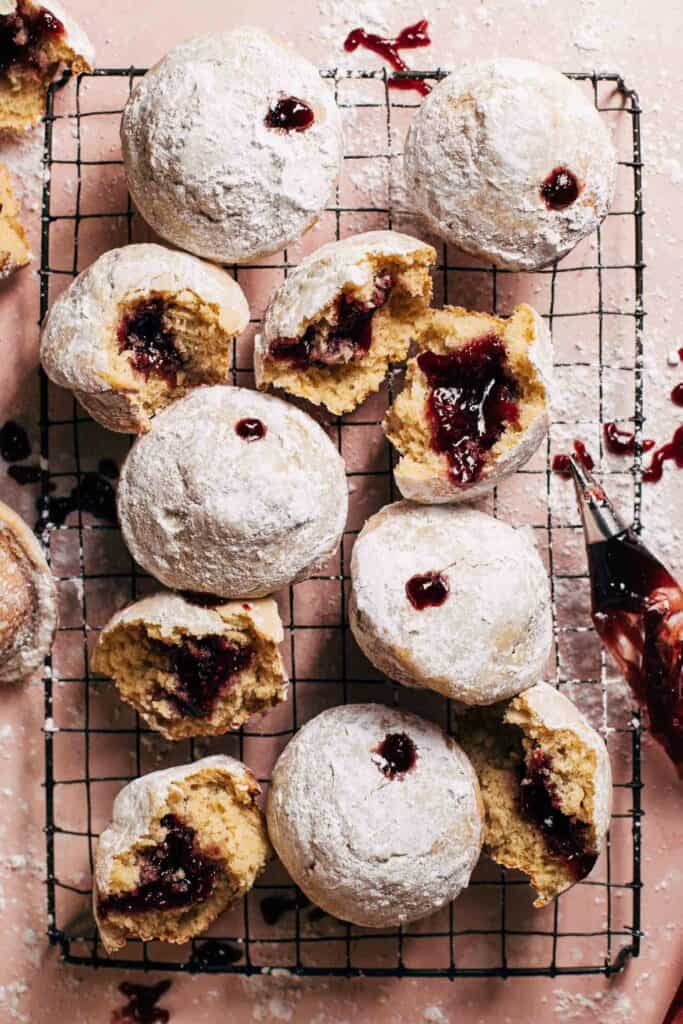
[(560, 189), (23, 35), (290, 114), (205, 667), (565, 837), (398, 755), (173, 874), (345, 338), (145, 333), (427, 590), (472, 398)]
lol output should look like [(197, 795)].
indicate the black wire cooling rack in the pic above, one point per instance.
[(93, 745)]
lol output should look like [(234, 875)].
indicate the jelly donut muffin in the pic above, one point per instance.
[(28, 599), (14, 249), (475, 406), (140, 327), (343, 316), (452, 600), (192, 668), (38, 41), (182, 845), (232, 145), (546, 784), (232, 493), (376, 815), (510, 161)]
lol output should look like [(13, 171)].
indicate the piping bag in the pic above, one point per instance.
[(637, 611)]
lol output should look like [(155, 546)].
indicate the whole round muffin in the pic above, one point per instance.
[(232, 493), (232, 145), (450, 599), (508, 160), (376, 815)]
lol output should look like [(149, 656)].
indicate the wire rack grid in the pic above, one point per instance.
[(93, 745)]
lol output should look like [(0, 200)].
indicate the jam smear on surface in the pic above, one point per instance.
[(348, 338), (205, 667), (141, 1007), (145, 333), (472, 399), (251, 429), (671, 451), (290, 114), (273, 908), (637, 609), (94, 494), (410, 38), (560, 189), (561, 464), (564, 836), (399, 754), (623, 442), (23, 35), (217, 953), (675, 1012), (174, 874), (24, 474), (427, 590), (14, 443)]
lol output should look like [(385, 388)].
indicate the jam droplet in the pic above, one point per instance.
[(398, 755), (217, 953), (410, 38), (562, 466), (14, 443), (428, 590), (560, 189), (623, 442), (23, 35), (671, 451), (141, 1007), (94, 494), (205, 667), (251, 429), (273, 908), (677, 395), (290, 114), (564, 836), (24, 474), (472, 399), (145, 332), (173, 874)]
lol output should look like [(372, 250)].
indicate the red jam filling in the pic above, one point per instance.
[(472, 399), (560, 189), (562, 466), (23, 35), (409, 38), (173, 874), (349, 335), (623, 442), (145, 333), (565, 837), (427, 590), (398, 753), (204, 669), (290, 114), (251, 429), (141, 1007)]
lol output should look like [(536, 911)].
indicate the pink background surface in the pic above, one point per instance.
[(582, 36)]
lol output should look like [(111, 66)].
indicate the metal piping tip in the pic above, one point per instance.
[(600, 519)]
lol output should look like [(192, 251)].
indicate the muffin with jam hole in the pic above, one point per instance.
[(192, 668), (343, 316), (183, 844), (36, 42), (475, 406), (546, 783), (142, 326)]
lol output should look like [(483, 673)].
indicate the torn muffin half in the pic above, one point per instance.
[(546, 784), (36, 41), (475, 406), (183, 844), (14, 248), (195, 669), (142, 326), (341, 318)]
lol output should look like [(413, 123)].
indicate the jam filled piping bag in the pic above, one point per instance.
[(637, 610)]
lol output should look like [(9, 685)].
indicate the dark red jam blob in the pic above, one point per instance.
[(398, 753), (427, 590), (14, 443), (274, 908), (24, 34), (566, 838), (205, 667), (561, 464), (409, 38), (671, 451), (623, 442), (251, 429), (290, 114), (677, 395), (560, 189), (472, 399), (145, 332), (141, 1007), (217, 953), (349, 336), (108, 468), (173, 874), (92, 494), (24, 474)]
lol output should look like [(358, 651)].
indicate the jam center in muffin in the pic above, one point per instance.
[(290, 114), (344, 339), (173, 874), (251, 429), (566, 838), (204, 668), (398, 753), (471, 400), (145, 332), (560, 189), (427, 590), (24, 33)]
